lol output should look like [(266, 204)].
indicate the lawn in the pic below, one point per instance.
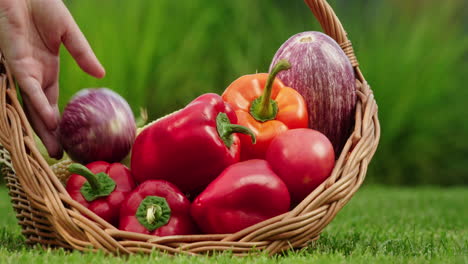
[(380, 225)]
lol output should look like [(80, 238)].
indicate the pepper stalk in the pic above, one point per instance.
[(153, 212), (97, 185), (226, 129), (264, 108)]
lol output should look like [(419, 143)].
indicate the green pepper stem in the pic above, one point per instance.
[(85, 172), (264, 108), (153, 213), (226, 129)]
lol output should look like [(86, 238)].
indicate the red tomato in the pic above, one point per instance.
[(303, 158)]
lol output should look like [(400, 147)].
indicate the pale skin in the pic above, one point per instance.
[(31, 34)]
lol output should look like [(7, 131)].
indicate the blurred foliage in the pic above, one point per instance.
[(162, 54)]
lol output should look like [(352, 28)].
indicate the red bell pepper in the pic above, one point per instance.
[(101, 187), (266, 106), (190, 147), (244, 194), (158, 208)]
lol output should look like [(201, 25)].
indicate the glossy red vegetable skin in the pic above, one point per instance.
[(303, 158), (107, 207), (185, 147), (244, 194), (180, 222)]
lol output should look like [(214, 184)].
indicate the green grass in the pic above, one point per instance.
[(379, 225)]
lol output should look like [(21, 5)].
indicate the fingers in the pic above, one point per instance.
[(43, 113), (81, 51), (38, 102), (48, 137), (52, 94)]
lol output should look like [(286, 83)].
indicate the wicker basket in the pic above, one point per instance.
[(49, 217)]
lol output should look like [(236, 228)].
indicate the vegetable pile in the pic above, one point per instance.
[(223, 162)]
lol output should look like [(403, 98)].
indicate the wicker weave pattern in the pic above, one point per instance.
[(49, 217)]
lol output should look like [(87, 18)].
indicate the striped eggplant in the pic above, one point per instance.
[(323, 74), (97, 125)]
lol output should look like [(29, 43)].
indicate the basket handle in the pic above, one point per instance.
[(332, 26)]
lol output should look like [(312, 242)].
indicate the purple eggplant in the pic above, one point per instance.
[(322, 73), (97, 125)]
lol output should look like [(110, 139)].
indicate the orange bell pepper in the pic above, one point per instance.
[(266, 106)]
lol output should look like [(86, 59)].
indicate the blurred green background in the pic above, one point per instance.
[(162, 54)]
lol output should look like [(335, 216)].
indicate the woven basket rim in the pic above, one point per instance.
[(50, 217)]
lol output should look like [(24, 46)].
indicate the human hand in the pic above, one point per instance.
[(31, 33)]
